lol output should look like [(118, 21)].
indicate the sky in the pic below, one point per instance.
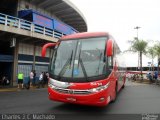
[(120, 17)]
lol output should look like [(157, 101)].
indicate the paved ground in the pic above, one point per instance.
[(135, 98)]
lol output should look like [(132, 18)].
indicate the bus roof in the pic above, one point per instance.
[(84, 35)]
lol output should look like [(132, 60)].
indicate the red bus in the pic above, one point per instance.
[(86, 68)]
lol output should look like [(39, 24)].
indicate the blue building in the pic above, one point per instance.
[(26, 25)]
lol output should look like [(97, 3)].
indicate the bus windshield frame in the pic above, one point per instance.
[(80, 60)]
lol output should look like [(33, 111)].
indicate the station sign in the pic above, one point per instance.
[(61, 27), (42, 21)]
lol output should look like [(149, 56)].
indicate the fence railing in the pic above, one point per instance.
[(27, 25)]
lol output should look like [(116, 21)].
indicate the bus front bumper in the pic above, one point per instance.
[(101, 98)]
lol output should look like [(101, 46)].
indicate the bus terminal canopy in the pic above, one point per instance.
[(64, 10), (44, 20)]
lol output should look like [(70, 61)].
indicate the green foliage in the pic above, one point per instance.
[(151, 52), (138, 46), (157, 49)]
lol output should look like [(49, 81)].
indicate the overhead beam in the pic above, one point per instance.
[(2, 33), (43, 3), (75, 15), (71, 18), (54, 5), (25, 39), (66, 14), (62, 11)]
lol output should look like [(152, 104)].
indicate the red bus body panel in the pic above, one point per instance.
[(92, 99), (84, 35)]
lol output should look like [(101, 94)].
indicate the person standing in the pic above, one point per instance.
[(46, 77), (34, 78), (41, 81), (20, 80), (155, 75), (4, 80), (31, 77), (47, 74)]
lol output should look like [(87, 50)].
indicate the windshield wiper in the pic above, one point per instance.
[(83, 68), (97, 71), (79, 57), (69, 61)]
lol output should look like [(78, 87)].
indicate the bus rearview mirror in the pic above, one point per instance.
[(44, 48), (109, 49)]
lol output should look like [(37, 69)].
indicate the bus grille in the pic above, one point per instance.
[(71, 91)]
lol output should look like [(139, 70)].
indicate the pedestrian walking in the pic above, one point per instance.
[(31, 77), (155, 76), (41, 81), (150, 77), (46, 77), (20, 80), (34, 78), (47, 74), (4, 80)]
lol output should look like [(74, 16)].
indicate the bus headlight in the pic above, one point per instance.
[(98, 89), (51, 85), (54, 83)]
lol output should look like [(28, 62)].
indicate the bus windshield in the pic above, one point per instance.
[(79, 58)]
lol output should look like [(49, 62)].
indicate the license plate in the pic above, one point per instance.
[(71, 99)]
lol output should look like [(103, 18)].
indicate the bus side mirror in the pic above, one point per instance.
[(44, 48), (109, 48)]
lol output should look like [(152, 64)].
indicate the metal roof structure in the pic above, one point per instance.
[(65, 11)]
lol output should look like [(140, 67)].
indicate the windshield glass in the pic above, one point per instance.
[(81, 58)]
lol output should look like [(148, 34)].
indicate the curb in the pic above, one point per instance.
[(145, 82), (8, 89), (16, 89)]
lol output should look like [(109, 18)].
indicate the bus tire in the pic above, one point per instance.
[(123, 86)]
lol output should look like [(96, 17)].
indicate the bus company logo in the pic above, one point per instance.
[(95, 84), (71, 91)]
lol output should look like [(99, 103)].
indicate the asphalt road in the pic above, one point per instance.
[(134, 99)]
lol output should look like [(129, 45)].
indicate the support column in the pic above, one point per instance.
[(34, 57), (15, 64)]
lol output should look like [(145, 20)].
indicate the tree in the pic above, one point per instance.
[(151, 52), (140, 47), (157, 49)]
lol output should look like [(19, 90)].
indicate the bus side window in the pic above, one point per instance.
[(110, 59), (110, 65)]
